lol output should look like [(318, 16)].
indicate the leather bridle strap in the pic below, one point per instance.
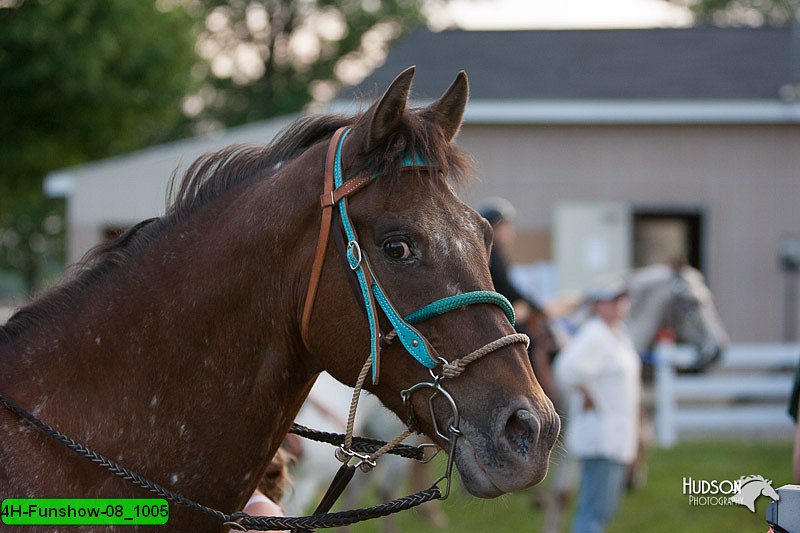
[(336, 192), (330, 196)]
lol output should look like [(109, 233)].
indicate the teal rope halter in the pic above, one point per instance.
[(414, 343), (450, 303)]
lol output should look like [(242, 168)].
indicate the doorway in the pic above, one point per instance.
[(668, 235)]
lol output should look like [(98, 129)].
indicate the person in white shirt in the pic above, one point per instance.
[(599, 371)]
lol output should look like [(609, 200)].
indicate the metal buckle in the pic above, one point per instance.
[(344, 455), (353, 254)]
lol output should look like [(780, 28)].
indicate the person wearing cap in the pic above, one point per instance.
[(501, 214), (599, 370)]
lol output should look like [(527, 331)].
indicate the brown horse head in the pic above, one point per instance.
[(424, 244), (177, 349)]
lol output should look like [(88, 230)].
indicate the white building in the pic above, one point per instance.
[(687, 138)]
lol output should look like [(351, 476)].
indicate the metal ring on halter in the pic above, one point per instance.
[(453, 430), (423, 446), (437, 390), (448, 471), (355, 254)]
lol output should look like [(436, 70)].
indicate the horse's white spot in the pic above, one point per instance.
[(461, 245), (38, 408), (441, 244), (154, 401), (97, 340), (174, 478), (247, 476), (182, 430), (453, 289)]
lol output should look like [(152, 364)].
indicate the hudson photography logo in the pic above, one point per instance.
[(743, 491)]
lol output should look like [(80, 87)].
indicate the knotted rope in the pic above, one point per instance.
[(450, 370), (456, 368)]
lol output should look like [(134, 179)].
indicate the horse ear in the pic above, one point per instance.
[(448, 110), (385, 116)]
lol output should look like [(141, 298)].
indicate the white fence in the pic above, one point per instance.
[(745, 394)]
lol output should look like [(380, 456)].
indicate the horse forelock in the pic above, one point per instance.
[(417, 136)]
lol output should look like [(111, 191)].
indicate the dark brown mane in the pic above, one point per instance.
[(213, 174)]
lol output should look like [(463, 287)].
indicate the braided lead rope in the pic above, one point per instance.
[(109, 464), (342, 518), (360, 444), (456, 368), (238, 519)]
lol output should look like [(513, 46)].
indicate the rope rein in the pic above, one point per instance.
[(456, 368)]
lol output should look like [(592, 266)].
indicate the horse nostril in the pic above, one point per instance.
[(522, 430)]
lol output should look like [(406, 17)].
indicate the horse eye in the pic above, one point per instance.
[(397, 249)]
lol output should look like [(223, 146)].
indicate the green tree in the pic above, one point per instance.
[(272, 57), (86, 79), (81, 80), (741, 12)]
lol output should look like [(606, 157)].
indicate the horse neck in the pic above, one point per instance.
[(184, 358)]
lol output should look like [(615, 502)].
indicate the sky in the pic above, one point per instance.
[(550, 14)]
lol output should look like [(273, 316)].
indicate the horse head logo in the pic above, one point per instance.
[(750, 488)]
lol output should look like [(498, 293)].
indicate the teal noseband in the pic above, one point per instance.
[(450, 303), (414, 343)]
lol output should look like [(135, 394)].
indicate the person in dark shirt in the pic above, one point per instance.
[(501, 214)]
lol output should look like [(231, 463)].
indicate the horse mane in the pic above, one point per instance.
[(215, 173)]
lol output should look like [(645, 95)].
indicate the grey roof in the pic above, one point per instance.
[(670, 64)]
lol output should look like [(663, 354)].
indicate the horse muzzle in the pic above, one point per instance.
[(512, 453)]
